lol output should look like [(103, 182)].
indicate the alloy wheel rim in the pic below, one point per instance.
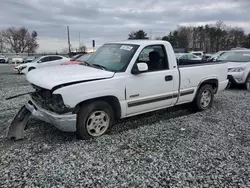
[(97, 123), (206, 97)]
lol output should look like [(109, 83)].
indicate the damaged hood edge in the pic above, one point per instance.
[(55, 77)]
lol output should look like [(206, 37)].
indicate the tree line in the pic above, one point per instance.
[(18, 40), (208, 38)]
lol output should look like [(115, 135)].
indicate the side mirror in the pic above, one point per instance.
[(139, 68), (39, 61)]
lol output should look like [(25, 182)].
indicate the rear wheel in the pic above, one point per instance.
[(204, 97), (94, 119), (247, 84)]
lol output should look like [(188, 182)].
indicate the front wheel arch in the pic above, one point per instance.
[(212, 81), (31, 68), (111, 100)]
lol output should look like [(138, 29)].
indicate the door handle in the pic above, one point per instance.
[(168, 78)]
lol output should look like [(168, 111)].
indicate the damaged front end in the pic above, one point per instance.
[(49, 101), (44, 99)]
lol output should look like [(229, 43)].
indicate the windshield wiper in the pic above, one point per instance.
[(100, 66), (84, 63)]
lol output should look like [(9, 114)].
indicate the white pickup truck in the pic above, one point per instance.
[(117, 82)]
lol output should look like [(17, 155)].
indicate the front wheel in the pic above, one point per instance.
[(247, 84), (204, 98), (94, 119)]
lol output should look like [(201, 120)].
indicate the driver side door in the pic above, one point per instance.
[(151, 90)]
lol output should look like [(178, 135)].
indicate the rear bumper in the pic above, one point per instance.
[(65, 122)]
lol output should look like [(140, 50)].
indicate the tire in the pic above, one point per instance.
[(94, 119), (247, 83), (204, 98), (31, 68)]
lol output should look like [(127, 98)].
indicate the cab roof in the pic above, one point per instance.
[(141, 42)]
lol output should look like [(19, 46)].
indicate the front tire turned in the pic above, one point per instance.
[(204, 97), (247, 84), (94, 119)]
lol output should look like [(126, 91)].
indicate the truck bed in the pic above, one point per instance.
[(192, 74)]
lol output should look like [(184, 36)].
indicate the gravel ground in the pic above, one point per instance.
[(168, 148)]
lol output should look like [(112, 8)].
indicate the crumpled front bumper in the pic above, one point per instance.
[(64, 122)]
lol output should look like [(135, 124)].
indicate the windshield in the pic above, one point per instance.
[(83, 58), (235, 56), (113, 57), (34, 60)]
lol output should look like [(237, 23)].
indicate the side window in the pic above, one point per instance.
[(155, 56), (45, 59), (190, 56), (183, 57), (54, 58)]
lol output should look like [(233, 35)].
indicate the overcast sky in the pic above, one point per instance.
[(112, 20)]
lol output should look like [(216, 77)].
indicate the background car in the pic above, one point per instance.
[(198, 53), (43, 61), (17, 59), (78, 59), (216, 55), (29, 59), (4, 59), (188, 56), (238, 66)]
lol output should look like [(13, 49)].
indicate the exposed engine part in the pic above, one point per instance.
[(52, 102)]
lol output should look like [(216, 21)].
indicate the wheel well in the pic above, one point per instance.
[(213, 82), (30, 68), (111, 100)]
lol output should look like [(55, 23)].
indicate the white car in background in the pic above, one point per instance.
[(238, 62), (43, 61), (198, 53), (187, 56), (17, 59)]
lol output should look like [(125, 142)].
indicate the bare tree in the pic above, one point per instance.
[(82, 48), (158, 38), (65, 50), (19, 40), (140, 34)]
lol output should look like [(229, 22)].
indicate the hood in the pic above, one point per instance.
[(49, 77), (237, 64), (24, 65), (72, 63)]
